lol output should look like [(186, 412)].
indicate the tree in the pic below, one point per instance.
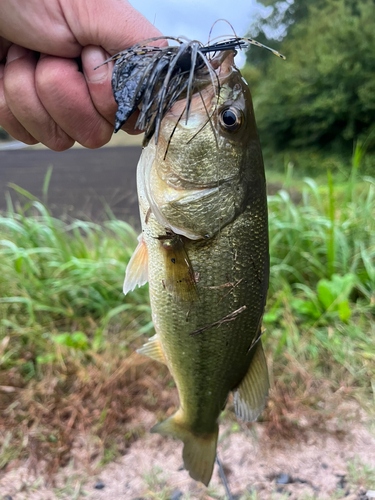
[(324, 93), (274, 24)]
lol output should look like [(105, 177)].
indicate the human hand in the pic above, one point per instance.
[(46, 98)]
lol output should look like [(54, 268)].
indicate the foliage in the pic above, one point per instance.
[(60, 284), (322, 96), (321, 300), (274, 23)]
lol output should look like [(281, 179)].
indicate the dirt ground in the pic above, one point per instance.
[(330, 465)]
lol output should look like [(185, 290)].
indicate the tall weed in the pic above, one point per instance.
[(61, 281), (322, 289)]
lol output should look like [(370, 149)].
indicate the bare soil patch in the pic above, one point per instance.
[(332, 464)]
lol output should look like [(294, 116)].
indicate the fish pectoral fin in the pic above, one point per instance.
[(199, 449), (179, 275), (137, 268), (250, 396), (153, 350)]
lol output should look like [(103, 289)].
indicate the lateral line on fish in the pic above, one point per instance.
[(229, 317)]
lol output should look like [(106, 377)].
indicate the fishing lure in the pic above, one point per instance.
[(154, 78)]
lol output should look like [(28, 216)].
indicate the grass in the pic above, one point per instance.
[(361, 474), (322, 251), (323, 278), (56, 275), (67, 333), (156, 485)]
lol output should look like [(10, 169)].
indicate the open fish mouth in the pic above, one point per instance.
[(152, 78)]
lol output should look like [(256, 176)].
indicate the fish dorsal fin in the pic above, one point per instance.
[(249, 397), (137, 268), (153, 349)]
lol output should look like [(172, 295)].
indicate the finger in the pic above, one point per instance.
[(63, 91), (24, 103), (4, 47), (113, 25), (99, 85), (38, 25), (99, 80), (8, 121)]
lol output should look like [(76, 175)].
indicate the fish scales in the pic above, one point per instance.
[(204, 245), (207, 366)]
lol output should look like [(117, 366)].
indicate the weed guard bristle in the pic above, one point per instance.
[(154, 78)]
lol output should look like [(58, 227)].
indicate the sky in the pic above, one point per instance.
[(194, 18)]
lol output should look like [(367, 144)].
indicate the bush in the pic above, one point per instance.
[(323, 95)]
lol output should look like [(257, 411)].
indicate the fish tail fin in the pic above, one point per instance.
[(199, 449)]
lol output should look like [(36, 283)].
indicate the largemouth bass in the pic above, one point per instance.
[(204, 242)]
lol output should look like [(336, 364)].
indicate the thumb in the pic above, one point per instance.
[(112, 24), (99, 85)]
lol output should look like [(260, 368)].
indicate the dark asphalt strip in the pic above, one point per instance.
[(83, 181)]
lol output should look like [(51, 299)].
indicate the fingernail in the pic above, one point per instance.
[(15, 52), (93, 59)]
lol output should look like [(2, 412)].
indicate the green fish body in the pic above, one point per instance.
[(204, 251)]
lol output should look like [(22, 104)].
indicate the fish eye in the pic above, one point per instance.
[(230, 119)]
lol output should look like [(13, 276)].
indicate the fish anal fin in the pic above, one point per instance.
[(153, 350), (250, 396), (199, 449), (137, 268)]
